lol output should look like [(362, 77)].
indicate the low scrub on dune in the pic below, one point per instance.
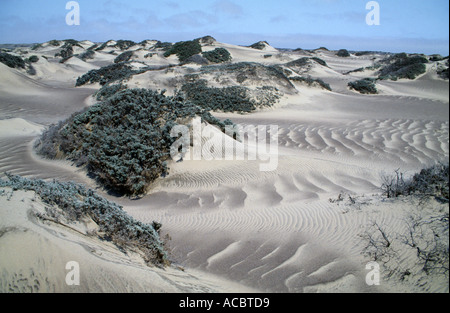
[(124, 57), (229, 99), (77, 203), (184, 50), (343, 53), (12, 61), (218, 55), (311, 82), (364, 86), (402, 65), (106, 74), (124, 141)]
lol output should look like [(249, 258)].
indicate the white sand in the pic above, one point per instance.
[(233, 227)]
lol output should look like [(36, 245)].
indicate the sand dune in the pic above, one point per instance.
[(233, 227)]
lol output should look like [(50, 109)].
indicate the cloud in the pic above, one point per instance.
[(191, 19), (228, 8)]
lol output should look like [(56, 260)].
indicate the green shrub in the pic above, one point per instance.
[(123, 141), (78, 203), (184, 50), (33, 59), (12, 61), (343, 53), (364, 86), (218, 55), (259, 45), (124, 44), (124, 57), (311, 81), (163, 45), (54, 43), (109, 91), (228, 99), (106, 75), (305, 61), (65, 52), (89, 54), (402, 65)]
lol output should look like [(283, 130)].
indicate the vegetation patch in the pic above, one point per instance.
[(218, 55), (364, 86), (123, 141), (402, 65), (12, 61), (107, 74), (184, 50), (78, 203), (124, 57), (311, 82), (343, 53)]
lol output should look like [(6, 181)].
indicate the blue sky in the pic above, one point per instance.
[(406, 25)]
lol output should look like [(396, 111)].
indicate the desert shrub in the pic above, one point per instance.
[(209, 40), (364, 86), (54, 43), (443, 73), (218, 55), (305, 61), (89, 54), (124, 44), (184, 50), (78, 203), (33, 59), (260, 45), (124, 57), (12, 61), (36, 47), (107, 74), (311, 81), (65, 52), (429, 182), (163, 45), (402, 65), (228, 99), (343, 53), (362, 53), (102, 46), (108, 91), (197, 59), (93, 47), (124, 141)]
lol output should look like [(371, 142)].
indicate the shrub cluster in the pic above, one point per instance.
[(343, 53), (108, 91), (124, 57), (12, 61), (163, 45), (33, 59), (228, 99), (123, 141), (89, 54), (77, 203), (218, 55), (106, 75), (402, 65), (364, 86), (429, 182), (184, 50), (305, 61), (260, 45), (311, 81), (124, 44)]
